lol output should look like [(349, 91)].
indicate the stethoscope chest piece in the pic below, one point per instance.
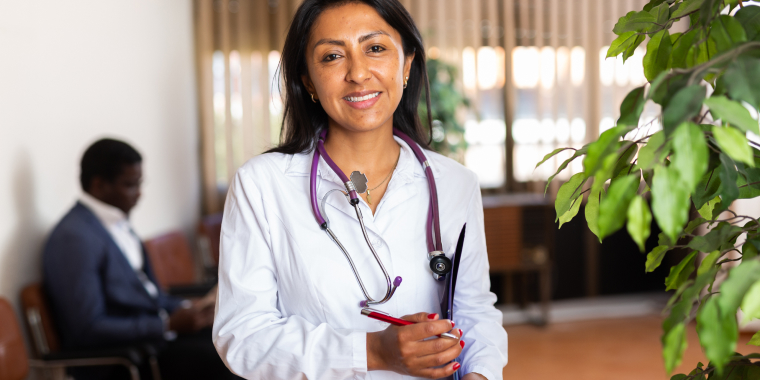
[(439, 264)]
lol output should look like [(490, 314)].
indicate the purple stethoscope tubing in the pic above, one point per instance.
[(433, 224)]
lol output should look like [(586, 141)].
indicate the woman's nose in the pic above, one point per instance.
[(358, 70)]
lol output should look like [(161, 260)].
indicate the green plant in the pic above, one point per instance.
[(701, 158), (445, 102)]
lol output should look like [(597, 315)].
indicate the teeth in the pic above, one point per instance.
[(361, 98)]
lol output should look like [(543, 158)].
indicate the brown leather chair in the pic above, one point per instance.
[(173, 265), (209, 236), (14, 362)]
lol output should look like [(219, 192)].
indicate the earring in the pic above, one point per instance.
[(406, 80), (312, 98)]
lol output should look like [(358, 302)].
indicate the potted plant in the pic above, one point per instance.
[(706, 80)]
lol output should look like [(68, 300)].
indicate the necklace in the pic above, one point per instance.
[(369, 199)]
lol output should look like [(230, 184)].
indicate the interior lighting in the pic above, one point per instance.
[(525, 66), (621, 71), (501, 72), (547, 131), (469, 78), (434, 53), (606, 68), (548, 67), (577, 65), (636, 68), (562, 130), (578, 130), (605, 124), (563, 64), (526, 131), (488, 67)]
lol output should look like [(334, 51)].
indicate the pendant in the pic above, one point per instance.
[(360, 181), (369, 200)]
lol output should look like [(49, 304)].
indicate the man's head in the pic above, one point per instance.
[(111, 171)]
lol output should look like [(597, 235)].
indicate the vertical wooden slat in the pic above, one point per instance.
[(509, 89), (204, 32), (262, 37), (459, 26), (244, 49), (225, 31), (440, 24), (492, 14), (554, 43)]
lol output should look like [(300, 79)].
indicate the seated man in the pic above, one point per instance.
[(100, 284)]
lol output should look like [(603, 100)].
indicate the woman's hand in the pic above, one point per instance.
[(403, 349)]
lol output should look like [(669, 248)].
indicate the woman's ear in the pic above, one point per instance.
[(309, 86), (408, 64)]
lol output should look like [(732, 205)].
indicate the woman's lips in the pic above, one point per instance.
[(362, 102)]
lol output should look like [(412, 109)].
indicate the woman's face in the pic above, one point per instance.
[(356, 67)]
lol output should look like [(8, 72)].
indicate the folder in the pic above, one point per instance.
[(450, 283)]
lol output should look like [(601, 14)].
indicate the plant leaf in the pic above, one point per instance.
[(652, 4), (654, 258), (632, 106), (572, 212), (673, 346), (715, 238), (685, 104), (686, 7), (670, 201), (639, 221), (729, 192), (654, 152), (734, 144), (707, 210), (717, 333), (751, 302), (599, 149), (708, 262), (755, 340), (661, 13), (732, 113), (550, 155), (622, 43), (734, 288), (568, 192), (634, 22), (681, 272), (681, 48), (592, 212), (564, 164), (691, 154), (749, 17), (727, 32), (658, 53), (613, 208)]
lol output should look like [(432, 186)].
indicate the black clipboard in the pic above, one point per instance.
[(450, 281)]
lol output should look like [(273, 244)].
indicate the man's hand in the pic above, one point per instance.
[(407, 349), (192, 319)]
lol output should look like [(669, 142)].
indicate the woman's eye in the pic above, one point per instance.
[(376, 49), (331, 57)]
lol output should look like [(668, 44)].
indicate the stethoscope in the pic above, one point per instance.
[(439, 263)]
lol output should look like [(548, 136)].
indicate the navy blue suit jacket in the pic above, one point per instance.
[(96, 297)]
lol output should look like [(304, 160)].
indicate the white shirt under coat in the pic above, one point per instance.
[(288, 304), (115, 221)]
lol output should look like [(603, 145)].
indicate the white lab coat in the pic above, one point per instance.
[(288, 304)]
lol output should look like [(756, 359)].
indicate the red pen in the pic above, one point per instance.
[(397, 322)]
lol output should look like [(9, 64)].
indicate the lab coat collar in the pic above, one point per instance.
[(408, 166)]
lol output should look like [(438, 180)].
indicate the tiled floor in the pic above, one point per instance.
[(620, 349)]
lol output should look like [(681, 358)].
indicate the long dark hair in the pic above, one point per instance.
[(304, 119)]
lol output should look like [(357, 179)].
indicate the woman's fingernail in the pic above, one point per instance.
[(432, 316), (453, 324), (461, 343), (461, 333), (456, 366)]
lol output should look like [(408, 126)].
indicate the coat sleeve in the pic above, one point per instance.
[(73, 281), (474, 311), (251, 334)]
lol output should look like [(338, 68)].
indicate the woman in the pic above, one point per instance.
[(288, 305)]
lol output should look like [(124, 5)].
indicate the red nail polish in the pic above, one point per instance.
[(453, 324), (461, 333), (461, 343), (456, 366), (432, 316)]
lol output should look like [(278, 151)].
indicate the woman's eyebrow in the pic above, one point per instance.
[(328, 41)]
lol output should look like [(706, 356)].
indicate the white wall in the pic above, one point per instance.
[(77, 70)]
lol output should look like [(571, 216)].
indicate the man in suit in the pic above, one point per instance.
[(102, 290)]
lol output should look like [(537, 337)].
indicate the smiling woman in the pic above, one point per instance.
[(289, 306)]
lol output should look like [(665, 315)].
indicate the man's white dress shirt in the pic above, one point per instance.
[(115, 221), (288, 304)]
